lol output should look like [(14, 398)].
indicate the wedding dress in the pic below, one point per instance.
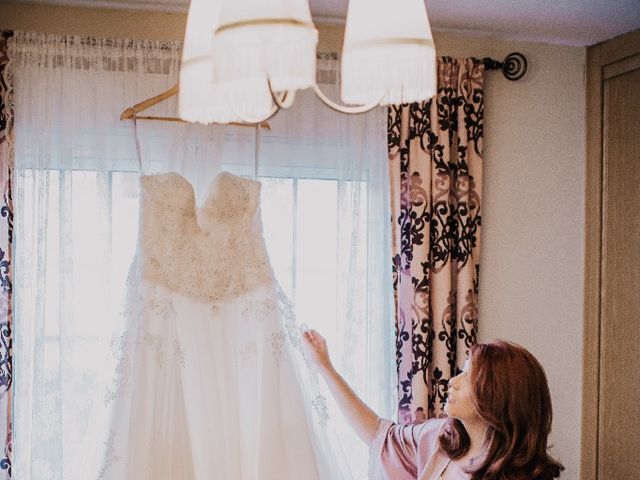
[(211, 382)]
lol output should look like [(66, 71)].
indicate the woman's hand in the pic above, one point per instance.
[(316, 347)]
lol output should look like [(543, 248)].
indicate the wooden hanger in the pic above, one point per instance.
[(139, 107)]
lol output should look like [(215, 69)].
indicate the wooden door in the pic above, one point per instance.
[(611, 400)]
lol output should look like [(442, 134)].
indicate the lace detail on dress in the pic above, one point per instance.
[(259, 310), (120, 351), (179, 352), (248, 353), (293, 329), (322, 410), (160, 304), (277, 344), (156, 343), (375, 450), (210, 255), (110, 455), (292, 335)]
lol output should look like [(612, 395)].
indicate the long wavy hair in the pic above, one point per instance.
[(510, 392)]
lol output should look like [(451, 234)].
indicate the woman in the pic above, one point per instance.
[(498, 420)]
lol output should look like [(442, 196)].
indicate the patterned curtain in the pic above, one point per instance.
[(6, 250), (435, 163)]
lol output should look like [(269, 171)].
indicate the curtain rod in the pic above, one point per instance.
[(513, 67)]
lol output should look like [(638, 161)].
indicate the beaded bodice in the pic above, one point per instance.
[(210, 253)]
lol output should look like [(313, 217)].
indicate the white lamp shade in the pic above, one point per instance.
[(388, 54), (233, 47), (200, 98), (266, 39)]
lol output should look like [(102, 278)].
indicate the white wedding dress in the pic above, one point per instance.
[(212, 382)]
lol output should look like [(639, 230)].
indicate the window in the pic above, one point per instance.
[(324, 207), (91, 233)]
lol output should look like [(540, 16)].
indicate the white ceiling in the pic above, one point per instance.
[(571, 22)]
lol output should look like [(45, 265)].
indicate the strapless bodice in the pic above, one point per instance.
[(209, 253)]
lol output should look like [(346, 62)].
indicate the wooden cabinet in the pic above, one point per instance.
[(611, 387)]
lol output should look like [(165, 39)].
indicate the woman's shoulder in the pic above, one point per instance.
[(422, 434), (430, 429), (427, 437)]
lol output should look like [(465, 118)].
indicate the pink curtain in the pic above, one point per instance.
[(6, 272), (435, 162)]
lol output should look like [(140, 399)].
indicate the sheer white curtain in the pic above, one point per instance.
[(325, 211)]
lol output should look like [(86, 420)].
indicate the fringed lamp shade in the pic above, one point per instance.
[(196, 95), (234, 48), (388, 55)]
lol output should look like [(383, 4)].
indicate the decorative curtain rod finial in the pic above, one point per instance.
[(513, 67)]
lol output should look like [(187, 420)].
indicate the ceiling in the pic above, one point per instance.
[(569, 22)]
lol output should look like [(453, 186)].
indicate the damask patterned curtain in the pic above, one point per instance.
[(6, 273), (435, 163)]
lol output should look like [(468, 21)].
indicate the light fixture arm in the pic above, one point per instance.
[(283, 100), (344, 108), (256, 121)]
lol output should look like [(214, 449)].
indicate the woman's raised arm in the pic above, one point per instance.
[(362, 419)]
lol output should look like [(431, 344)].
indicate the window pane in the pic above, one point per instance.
[(277, 205), (316, 254)]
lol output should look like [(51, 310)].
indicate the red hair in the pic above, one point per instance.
[(511, 395)]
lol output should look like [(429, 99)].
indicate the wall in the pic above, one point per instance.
[(531, 280), (532, 238)]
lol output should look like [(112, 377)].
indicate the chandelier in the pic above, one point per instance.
[(243, 60)]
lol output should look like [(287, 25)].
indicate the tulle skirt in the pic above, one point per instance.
[(213, 391)]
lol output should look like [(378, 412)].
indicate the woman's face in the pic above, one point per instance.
[(459, 404)]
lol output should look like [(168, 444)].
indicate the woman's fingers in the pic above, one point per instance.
[(315, 340), (316, 337), (308, 335), (310, 340), (312, 335)]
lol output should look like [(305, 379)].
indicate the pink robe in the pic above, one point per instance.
[(410, 452)]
